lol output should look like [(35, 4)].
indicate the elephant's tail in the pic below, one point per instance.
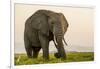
[(65, 42)]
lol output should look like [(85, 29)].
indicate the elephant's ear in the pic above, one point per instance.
[(40, 23), (44, 28)]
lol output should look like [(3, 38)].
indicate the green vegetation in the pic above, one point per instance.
[(22, 59)]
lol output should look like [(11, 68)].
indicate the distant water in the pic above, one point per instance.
[(19, 48)]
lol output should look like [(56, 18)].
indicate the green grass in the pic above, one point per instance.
[(22, 59)]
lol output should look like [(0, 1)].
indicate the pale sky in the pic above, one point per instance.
[(80, 34)]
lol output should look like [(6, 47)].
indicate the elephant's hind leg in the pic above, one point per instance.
[(29, 51), (28, 47), (36, 51)]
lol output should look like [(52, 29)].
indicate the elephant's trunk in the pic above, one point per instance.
[(60, 47)]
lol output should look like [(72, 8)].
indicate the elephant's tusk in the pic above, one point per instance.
[(54, 40), (65, 42)]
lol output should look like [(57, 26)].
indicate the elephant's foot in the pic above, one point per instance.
[(57, 55), (30, 56), (46, 58)]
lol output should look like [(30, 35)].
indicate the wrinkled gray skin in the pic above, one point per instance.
[(42, 27)]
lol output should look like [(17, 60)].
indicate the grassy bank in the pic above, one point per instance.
[(22, 59)]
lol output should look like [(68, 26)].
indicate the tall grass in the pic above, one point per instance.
[(22, 59)]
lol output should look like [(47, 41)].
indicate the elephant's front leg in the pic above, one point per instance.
[(45, 46)]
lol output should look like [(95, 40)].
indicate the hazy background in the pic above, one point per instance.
[(79, 36)]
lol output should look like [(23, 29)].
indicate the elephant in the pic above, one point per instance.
[(42, 27)]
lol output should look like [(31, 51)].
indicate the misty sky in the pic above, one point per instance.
[(80, 32)]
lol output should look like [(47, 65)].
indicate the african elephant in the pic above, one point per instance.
[(42, 27)]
